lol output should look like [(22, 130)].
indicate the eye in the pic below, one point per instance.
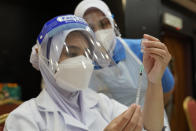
[(104, 23), (92, 27), (73, 54)]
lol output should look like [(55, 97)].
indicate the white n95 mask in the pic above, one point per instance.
[(106, 37), (74, 74)]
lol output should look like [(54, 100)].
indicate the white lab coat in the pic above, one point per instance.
[(42, 114)]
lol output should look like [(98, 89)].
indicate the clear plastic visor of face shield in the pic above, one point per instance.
[(78, 44), (98, 23)]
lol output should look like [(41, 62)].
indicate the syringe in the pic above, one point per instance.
[(139, 84), (141, 68)]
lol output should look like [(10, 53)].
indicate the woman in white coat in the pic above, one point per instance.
[(67, 56)]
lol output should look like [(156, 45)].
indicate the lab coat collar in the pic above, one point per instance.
[(45, 102), (90, 98), (70, 121), (89, 101), (88, 104)]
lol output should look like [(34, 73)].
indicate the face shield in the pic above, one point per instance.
[(70, 53), (71, 44)]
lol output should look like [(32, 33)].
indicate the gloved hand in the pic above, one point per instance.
[(34, 59), (155, 59), (130, 120)]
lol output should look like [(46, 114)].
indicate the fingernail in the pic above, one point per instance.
[(132, 106), (146, 34), (144, 40)]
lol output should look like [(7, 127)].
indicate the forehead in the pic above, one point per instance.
[(93, 14), (77, 38)]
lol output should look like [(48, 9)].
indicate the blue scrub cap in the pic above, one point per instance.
[(60, 23)]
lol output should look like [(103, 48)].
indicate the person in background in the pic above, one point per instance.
[(100, 19), (67, 57)]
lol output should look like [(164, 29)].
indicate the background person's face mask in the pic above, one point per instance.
[(106, 37), (74, 73)]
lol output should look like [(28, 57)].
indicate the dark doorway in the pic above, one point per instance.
[(181, 49)]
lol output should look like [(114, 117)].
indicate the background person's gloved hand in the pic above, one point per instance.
[(155, 59), (34, 59)]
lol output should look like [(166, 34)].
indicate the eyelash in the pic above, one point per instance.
[(73, 54)]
